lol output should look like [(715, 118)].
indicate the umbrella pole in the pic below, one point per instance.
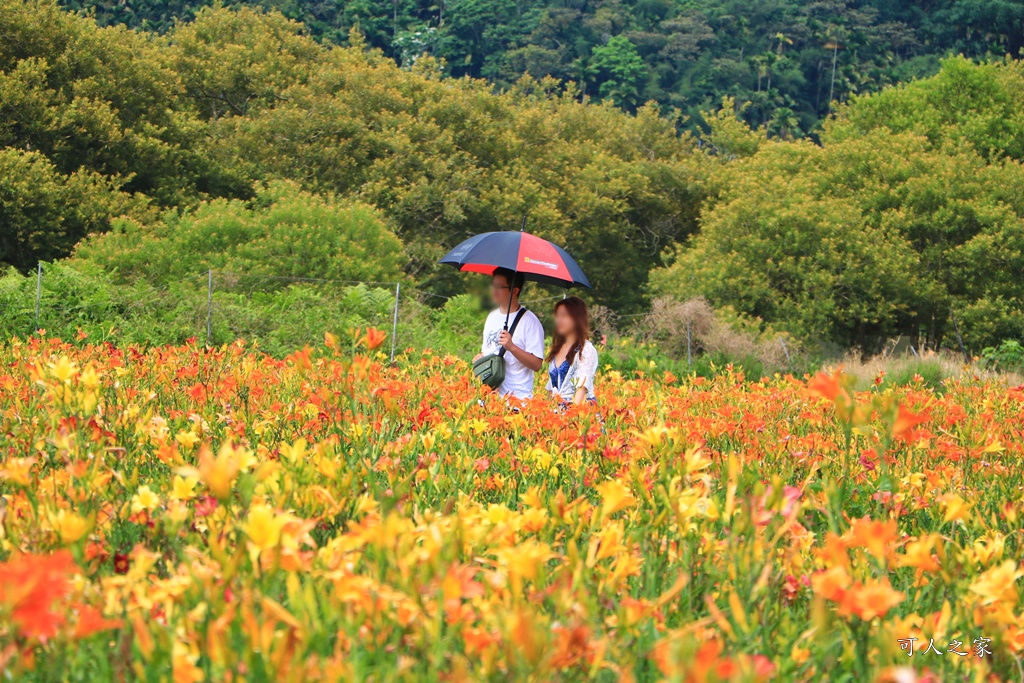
[(508, 308)]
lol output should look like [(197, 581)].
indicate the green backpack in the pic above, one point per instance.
[(491, 368)]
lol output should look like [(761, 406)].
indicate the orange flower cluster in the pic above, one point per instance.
[(193, 514), (33, 592), (865, 601)]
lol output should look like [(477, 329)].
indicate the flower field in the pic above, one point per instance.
[(186, 514)]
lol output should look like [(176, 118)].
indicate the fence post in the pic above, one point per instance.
[(394, 322), (689, 349), (209, 304), (39, 290)]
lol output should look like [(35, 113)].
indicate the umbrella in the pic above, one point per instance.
[(537, 259)]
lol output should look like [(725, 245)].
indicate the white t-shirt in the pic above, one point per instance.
[(529, 336)]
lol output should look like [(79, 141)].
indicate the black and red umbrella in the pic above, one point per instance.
[(537, 259)]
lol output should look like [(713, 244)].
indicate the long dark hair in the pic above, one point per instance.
[(577, 308)]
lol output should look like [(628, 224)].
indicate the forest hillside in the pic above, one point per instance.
[(791, 59), (241, 141)]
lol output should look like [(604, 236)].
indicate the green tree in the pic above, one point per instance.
[(444, 159), (44, 213), (231, 62), (979, 104), (800, 55), (863, 239), (620, 71), (98, 99)]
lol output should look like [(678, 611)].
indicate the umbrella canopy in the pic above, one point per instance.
[(537, 259)]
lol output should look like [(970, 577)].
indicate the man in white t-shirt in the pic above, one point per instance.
[(524, 350)]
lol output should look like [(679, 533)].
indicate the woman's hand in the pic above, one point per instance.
[(580, 397)]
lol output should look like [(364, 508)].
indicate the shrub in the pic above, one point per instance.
[(282, 233), (692, 328), (1008, 356), (457, 327), (83, 303)]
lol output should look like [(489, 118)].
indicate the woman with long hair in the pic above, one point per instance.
[(572, 359)]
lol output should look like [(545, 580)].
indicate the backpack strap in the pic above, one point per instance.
[(512, 330)]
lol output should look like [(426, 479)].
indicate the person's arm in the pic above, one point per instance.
[(483, 346), (587, 371), (531, 361), (531, 353)]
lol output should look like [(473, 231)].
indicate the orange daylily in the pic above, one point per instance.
[(905, 422), (874, 536), (919, 553), (330, 516), (91, 620), (30, 587), (614, 497), (864, 600), (998, 584), (871, 599), (374, 338), (832, 583), (826, 386)]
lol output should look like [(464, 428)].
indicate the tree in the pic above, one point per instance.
[(231, 62), (43, 213), (979, 104), (866, 238), (444, 159), (788, 54), (100, 100), (778, 249), (620, 71)]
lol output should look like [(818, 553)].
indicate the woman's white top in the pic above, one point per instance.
[(581, 373)]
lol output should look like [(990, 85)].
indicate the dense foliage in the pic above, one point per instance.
[(205, 512), (281, 233), (44, 213), (901, 219), (236, 99), (907, 220), (789, 58), (101, 100), (277, 315)]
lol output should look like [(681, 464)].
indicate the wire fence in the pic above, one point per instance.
[(283, 313), (216, 306)]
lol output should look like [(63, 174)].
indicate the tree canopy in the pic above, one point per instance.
[(789, 58), (235, 99), (905, 221), (237, 140)]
